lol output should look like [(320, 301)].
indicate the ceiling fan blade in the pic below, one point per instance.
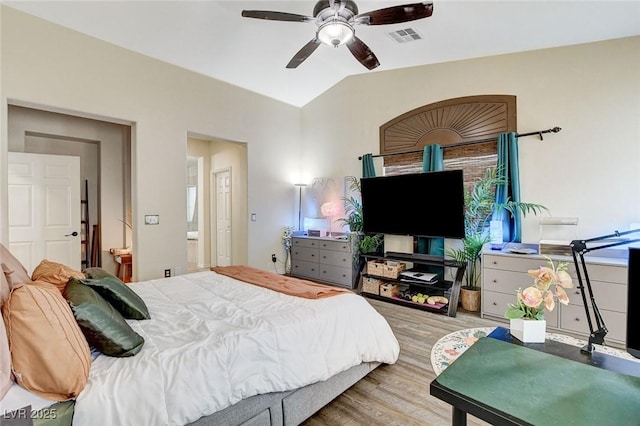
[(362, 53), (276, 16), (396, 14), (304, 53)]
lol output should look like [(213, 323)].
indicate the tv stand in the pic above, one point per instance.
[(419, 261), (413, 257)]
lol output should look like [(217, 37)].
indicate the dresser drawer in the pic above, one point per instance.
[(336, 258), (512, 263), (605, 273), (609, 296), (301, 268), (305, 242), (305, 253), (324, 259), (335, 245), (505, 281), (496, 304), (573, 318), (335, 274)]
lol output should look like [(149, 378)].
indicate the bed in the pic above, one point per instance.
[(219, 350)]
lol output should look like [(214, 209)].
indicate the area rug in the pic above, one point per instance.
[(450, 347)]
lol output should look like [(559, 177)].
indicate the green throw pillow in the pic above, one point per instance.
[(120, 295), (103, 326), (97, 272)]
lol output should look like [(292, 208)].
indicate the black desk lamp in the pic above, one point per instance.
[(578, 250)]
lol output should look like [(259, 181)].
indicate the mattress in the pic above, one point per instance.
[(213, 341)]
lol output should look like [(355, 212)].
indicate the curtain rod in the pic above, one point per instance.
[(454, 145)]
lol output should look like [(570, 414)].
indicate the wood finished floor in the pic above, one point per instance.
[(398, 394)]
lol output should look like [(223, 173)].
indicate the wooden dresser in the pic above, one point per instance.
[(322, 259), (503, 273)]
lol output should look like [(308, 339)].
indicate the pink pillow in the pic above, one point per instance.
[(13, 270), (5, 288)]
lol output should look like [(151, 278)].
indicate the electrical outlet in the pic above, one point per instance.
[(167, 273), (273, 258), (151, 219)]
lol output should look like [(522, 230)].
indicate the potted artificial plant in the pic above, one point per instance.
[(358, 241), (479, 204)]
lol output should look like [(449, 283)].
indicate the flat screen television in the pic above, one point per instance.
[(429, 204)]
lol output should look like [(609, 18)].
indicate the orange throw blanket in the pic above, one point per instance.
[(281, 283)]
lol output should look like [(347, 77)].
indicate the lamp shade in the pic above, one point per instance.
[(335, 33)]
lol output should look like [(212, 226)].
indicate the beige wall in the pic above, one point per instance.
[(47, 65), (588, 170), (592, 91)]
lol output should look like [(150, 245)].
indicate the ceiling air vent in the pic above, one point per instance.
[(406, 35)]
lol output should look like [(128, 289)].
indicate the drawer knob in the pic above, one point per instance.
[(495, 281), (577, 319), (495, 263), (495, 304), (577, 292)]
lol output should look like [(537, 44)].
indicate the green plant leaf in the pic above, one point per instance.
[(514, 313)]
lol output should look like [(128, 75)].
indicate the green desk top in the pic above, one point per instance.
[(542, 389)]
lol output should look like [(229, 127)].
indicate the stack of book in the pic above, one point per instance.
[(557, 247)]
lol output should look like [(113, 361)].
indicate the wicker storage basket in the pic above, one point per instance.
[(389, 290), (376, 267), (371, 285), (392, 269)]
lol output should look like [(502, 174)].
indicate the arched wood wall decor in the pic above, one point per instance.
[(451, 121)]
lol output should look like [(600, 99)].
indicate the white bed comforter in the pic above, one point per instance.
[(213, 341)]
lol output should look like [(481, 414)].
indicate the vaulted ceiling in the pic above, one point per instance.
[(213, 39)]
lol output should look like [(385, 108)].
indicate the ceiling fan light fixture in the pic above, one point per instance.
[(335, 33)]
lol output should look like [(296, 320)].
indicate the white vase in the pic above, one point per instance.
[(528, 330)]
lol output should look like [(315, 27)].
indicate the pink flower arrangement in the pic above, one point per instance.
[(548, 286)]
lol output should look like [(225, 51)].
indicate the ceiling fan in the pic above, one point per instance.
[(336, 20)]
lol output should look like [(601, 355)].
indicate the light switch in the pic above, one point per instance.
[(151, 219), (253, 217)]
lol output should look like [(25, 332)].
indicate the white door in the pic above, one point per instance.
[(222, 185), (44, 209)]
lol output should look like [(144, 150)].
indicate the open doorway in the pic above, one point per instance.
[(205, 158), (195, 256), (100, 145)]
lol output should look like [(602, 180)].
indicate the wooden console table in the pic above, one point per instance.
[(124, 266)]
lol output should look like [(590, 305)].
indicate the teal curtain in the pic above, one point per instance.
[(432, 161), (508, 168), (368, 169), (432, 158)]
